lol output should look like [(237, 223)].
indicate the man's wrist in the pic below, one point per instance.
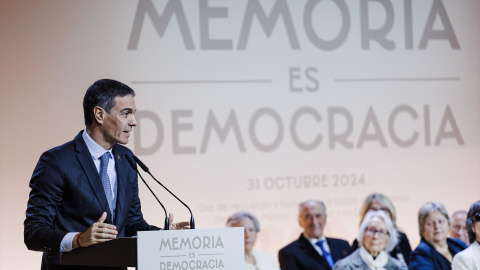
[(67, 242), (76, 240)]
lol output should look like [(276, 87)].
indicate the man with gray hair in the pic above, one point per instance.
[(458, 228), (312, 250)]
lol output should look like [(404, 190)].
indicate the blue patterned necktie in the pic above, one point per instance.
[(326, 255), (106, 181)]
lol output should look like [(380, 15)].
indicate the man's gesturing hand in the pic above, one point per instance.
[(97, 233), (179, 225)]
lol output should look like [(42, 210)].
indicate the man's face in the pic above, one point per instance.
[(458, 227), (118, 124), (312, 219)]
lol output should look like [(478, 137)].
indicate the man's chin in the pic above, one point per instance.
[(123, 141), (316, 235)]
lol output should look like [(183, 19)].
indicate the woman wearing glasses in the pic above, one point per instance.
[(376, 238), (378, 201), (435, 250), (469, 259)]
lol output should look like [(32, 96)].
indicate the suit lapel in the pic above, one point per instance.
[(120, 167), (85, 159), (307, 247), (336, 252)]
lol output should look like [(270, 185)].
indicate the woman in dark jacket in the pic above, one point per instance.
[(435, 250)]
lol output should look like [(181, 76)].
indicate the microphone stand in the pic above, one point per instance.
[(145, 168), (167, 226)]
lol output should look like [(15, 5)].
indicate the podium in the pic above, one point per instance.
[(121, 252), (183, 249)]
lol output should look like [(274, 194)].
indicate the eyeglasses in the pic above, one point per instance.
[(373, 231)]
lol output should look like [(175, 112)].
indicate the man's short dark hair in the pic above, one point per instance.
[(102, 93)]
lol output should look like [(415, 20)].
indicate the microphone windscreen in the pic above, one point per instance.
[(131, 162), (140, 163)]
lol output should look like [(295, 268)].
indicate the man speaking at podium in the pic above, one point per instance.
[(85, 192)]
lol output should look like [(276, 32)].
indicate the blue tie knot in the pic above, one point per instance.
[(104, 158)]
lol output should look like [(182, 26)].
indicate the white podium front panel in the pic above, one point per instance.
[(191, 249)]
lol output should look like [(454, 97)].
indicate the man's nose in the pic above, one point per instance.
[(133, 121)]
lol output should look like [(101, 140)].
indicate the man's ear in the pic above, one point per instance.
[(99, 114)]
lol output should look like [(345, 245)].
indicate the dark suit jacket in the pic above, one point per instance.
[(403, 247), (426, 257), (67, 196), (300, 254)]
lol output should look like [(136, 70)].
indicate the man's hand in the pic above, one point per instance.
[(97, 233), (177, 226)]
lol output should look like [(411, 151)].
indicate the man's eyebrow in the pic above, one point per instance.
[(127, 110)]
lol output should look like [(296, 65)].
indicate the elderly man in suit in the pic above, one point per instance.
[(84, 192), (458, 226), (312, 250)]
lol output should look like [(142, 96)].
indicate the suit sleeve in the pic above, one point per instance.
[(45, 197), (287, 260)]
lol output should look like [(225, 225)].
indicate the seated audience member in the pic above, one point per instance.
[(377, 201), (435, 250), (312, 250), (469, 259), (377, 237), (458, 228), (254, 259)]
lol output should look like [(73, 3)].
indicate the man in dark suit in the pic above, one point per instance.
[(84, 192), (312, 250)]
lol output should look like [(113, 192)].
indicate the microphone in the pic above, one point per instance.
[(132, 163), (145, 168)]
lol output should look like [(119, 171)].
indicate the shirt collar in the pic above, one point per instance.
[(315, 240), (95, 150)]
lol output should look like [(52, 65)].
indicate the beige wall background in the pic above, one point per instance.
[(52, 51)]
